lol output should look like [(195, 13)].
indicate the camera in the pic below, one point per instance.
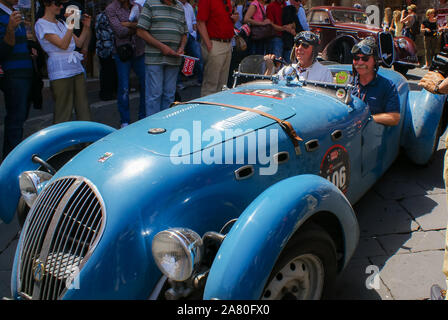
[(440, 63)]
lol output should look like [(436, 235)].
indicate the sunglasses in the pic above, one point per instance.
[(305, 45), (362, 48), (363, 58)]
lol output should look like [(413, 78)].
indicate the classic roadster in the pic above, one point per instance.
[(243, 194), (341, 27)]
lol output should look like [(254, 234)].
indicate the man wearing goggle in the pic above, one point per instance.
[(304, 52), (379, 93)]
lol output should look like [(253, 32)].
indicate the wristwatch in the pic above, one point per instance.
[(436, 88)]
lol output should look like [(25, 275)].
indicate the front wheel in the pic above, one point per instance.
[(306, 268)]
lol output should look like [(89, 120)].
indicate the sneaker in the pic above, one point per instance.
[(124, 125), (437, 293)]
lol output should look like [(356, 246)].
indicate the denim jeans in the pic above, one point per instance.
[(160, 87), (16, 91), (276, 47), (123, 72)]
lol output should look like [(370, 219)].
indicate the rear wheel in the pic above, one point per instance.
[(306, 268)]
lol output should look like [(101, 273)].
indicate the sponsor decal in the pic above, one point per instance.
[(335, 167), (267, 93), (340, 93), (342, 77), (105, 157)]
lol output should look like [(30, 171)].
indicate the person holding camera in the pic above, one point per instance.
[(16, 62), (379, 93), (129, 52), (437, 83), (65, 71), (410, 22)]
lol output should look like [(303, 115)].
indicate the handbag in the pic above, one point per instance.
[(125, 52), (262, 32), (240, 43)]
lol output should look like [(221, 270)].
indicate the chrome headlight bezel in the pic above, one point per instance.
[(177, 252), (31, 183)]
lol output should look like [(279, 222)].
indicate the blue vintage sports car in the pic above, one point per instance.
[(244, 194)]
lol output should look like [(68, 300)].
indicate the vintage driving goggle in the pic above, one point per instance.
[(362, 48), (306, 36)]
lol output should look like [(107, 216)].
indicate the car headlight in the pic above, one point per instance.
[(177, 252), (31, 183), (402, 43)]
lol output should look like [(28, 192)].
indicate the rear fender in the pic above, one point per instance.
[(44, 143), (423, 114), (251, 248)]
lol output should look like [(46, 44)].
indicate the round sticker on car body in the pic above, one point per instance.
[(335, 167), (342, 77)]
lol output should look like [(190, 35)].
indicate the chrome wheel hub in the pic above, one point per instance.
[(302, 278)]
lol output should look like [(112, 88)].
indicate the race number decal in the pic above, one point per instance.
[(267, 93), (335, 167)]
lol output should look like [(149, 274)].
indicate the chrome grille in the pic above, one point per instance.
[(64, 226)]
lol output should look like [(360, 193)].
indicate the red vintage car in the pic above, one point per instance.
[(341, 27)]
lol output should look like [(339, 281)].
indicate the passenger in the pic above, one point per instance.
[(379, 93), (307, 67)]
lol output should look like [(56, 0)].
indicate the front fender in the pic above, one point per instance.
[(250, 250), (45, 143), (424, 111)]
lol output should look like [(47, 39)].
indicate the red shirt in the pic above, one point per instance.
[(274, 13), (216, 17)]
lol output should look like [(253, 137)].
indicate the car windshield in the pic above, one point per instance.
[(347, 16)]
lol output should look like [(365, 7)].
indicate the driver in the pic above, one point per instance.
[(305, 54), (379, 93)]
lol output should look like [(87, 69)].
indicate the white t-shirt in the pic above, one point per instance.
[(317, 72), (190, 18), (61, 64)]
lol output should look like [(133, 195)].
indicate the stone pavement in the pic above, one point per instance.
[(402, 222)]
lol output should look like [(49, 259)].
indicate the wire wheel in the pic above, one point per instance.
[(302, 278)]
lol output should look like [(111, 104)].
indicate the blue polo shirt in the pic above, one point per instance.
[(380, 95)]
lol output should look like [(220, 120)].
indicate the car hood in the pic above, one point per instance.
[(201, 125)]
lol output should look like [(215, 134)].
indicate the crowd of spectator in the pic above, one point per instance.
[(153, 38)]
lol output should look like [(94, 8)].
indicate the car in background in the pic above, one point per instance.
[(341, 27)]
